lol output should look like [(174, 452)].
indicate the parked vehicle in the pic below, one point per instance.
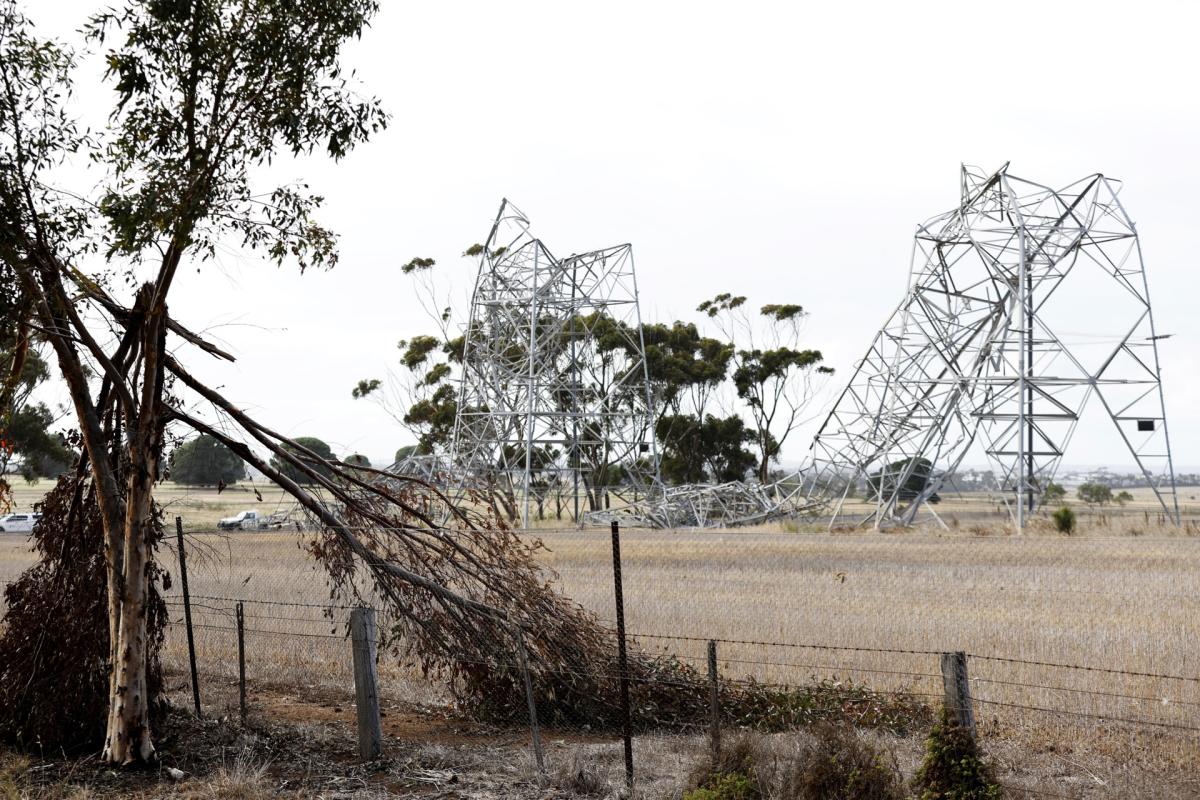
[(244, 520), (253, 521), (18, 523)]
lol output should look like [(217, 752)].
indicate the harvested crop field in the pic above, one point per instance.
[(1081, 649)]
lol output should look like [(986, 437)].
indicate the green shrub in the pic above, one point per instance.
[(1064, 520), (838, 765), (737, 769), (953, 768), (726, 786), (782, 708), (1095, 494)]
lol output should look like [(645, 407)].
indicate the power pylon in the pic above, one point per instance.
[(979, 350), (555, 391)]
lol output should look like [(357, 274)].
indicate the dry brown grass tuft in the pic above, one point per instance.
[(16, 782), (581, 777), (244, 778), (13, 776)]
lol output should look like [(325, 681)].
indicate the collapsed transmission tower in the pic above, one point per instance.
[(555, 391), (980, 349)]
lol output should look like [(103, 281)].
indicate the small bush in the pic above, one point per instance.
[(953, 768), (838, 765), (831, 763), (1064, 520), (726, 786), (740, 762)]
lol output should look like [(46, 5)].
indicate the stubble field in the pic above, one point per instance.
[(1082, 649)]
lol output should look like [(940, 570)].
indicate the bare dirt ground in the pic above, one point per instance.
[(301, 745)]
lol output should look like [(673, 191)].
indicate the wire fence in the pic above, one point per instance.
[(1067, 639), (1084, 643)]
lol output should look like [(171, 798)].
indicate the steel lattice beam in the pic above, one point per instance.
[(974, 353), (554, 387)]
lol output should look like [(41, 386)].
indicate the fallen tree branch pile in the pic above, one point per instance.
[(457, 584)]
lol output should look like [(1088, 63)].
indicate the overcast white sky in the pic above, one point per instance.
[(783, 151)]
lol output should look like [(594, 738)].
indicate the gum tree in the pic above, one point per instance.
[(206, 92), (204, 461), (775, 377), (422, 395)]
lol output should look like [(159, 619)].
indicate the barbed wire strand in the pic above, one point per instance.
[(1083, 668), (1162, 700), (1102, 717)]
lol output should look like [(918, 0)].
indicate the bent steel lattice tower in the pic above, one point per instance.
[(980, 350), (555, 390)]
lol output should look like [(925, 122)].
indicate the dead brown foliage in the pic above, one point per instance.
[(572, 655), (54, 649)]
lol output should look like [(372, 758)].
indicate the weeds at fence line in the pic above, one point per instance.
[(773, 684), (750, 704)]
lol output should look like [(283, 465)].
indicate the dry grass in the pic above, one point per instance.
[(243, 778), (1111, 602), (1122, 594), (16, 782), (13, 769)]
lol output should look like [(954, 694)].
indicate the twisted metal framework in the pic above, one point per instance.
[(978, 351), (436, 469), (708, 505), (555, 389)]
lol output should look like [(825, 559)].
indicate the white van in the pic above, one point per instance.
[(18, 523)]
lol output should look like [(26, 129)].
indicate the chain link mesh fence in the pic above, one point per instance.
[(1071, 641), (1067, 639)]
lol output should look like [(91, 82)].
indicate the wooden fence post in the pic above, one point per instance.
[(187, 613), (714, 703), (958, 691), (370, 729)]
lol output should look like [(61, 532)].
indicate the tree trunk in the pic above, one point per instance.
[(53, 309), (128, 738), (591, 493)]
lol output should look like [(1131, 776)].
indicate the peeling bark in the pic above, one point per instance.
[(128, 737)]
